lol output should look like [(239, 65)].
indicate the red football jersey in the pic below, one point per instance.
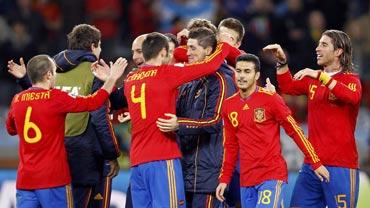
[(37, 116), (332, 116), (151, 92), (252, 128)]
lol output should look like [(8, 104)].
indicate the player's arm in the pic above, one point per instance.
[(231, 149), (104, 130), (292, 128), (211, 120), (348, 92), (178, 75), (10, 122), (69, 104), (233, 54), (286, 82), (117, 97)]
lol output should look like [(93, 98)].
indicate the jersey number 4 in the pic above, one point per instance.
[(28, 125), (140, 99)]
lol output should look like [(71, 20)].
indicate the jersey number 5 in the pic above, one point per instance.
[(140, 99), (28, 125)]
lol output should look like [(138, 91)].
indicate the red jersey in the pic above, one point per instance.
[(37, 116), (252, 128), (151, 92), (332, 116)]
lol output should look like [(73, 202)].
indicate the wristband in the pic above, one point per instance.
[(324, 78)]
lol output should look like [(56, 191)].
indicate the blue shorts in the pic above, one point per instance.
[(158, 184), (267, 194), (51, 197), (341, 191)]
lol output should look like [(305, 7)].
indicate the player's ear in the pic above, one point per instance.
[(257, 76), (208, 50)]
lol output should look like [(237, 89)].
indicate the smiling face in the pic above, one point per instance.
[(326, 54), (246, 75), (196, 52)]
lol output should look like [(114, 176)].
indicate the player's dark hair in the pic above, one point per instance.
[(233, 24), (172, 38), (153, 44), (205, 37), (341, 40), (38, 66), (250, 58), (82, 36), (200, 23)]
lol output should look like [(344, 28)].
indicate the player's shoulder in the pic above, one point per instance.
[(231, 98)]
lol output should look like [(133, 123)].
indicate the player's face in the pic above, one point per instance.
[(96, 50), (195, 51), (325, 51), (246, 75), (229, 36), (137, 53)]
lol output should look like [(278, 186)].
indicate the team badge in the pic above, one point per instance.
[(259, 115)]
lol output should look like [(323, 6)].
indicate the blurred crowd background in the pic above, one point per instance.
[(30, 27)]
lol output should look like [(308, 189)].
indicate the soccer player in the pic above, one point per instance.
[(252, 119), (333, 95), (199, 125), (37, 115), (156, 178), (91, 145), (137, 52), (229, 30)]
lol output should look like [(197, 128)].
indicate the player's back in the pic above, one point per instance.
[(40, 125), (151, 93)]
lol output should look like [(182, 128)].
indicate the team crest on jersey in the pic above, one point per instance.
[(259, 115)]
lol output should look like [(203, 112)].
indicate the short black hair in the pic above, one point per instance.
[(233, 24), (250, 58), (38, 66), (153, 44), (205, 37), (82, 36), (172, 38)]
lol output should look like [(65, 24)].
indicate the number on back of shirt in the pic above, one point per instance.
[(31, 126), (139, 99)]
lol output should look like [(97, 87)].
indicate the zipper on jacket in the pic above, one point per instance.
[(196, 153)]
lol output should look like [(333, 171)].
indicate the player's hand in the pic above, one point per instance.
[(269, 86), (168, 125), (323, 173), (122, 118), (277, 51), (307, 72), (17, 70), (118, 68), (182, 33), (220, 190), (100, 70), (227, 38), (114, 168)]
